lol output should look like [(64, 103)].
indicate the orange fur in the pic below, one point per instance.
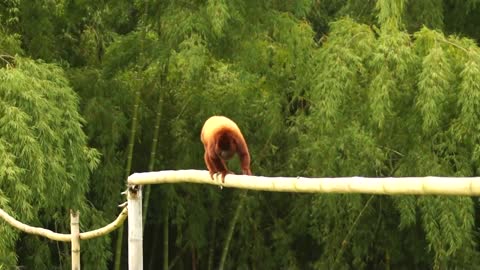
[(222, 138)]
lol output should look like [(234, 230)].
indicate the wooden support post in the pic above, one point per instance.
[(75, 232), (135, 228)]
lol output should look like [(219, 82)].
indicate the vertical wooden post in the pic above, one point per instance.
[(75, 232), (135, 228)]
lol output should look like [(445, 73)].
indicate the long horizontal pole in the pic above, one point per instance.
[(390, 185)]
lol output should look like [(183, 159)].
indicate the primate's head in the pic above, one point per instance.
[(226, 147)]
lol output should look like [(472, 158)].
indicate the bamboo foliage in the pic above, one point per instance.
[(319, 88), (45, 157)]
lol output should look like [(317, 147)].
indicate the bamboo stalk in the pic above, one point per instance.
[(469, 186), (133, 128), (231, 230), (75, 232), (213, 236), (153, 153), (165, 238), (135, 229)]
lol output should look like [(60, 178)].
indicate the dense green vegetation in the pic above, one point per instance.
[(91, 91)]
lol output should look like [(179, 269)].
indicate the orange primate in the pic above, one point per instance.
[(222, 138)]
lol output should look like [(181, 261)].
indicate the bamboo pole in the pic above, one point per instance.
[(75, 232), (62, 237), (135, 229), (401, 185), (117, 223)]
